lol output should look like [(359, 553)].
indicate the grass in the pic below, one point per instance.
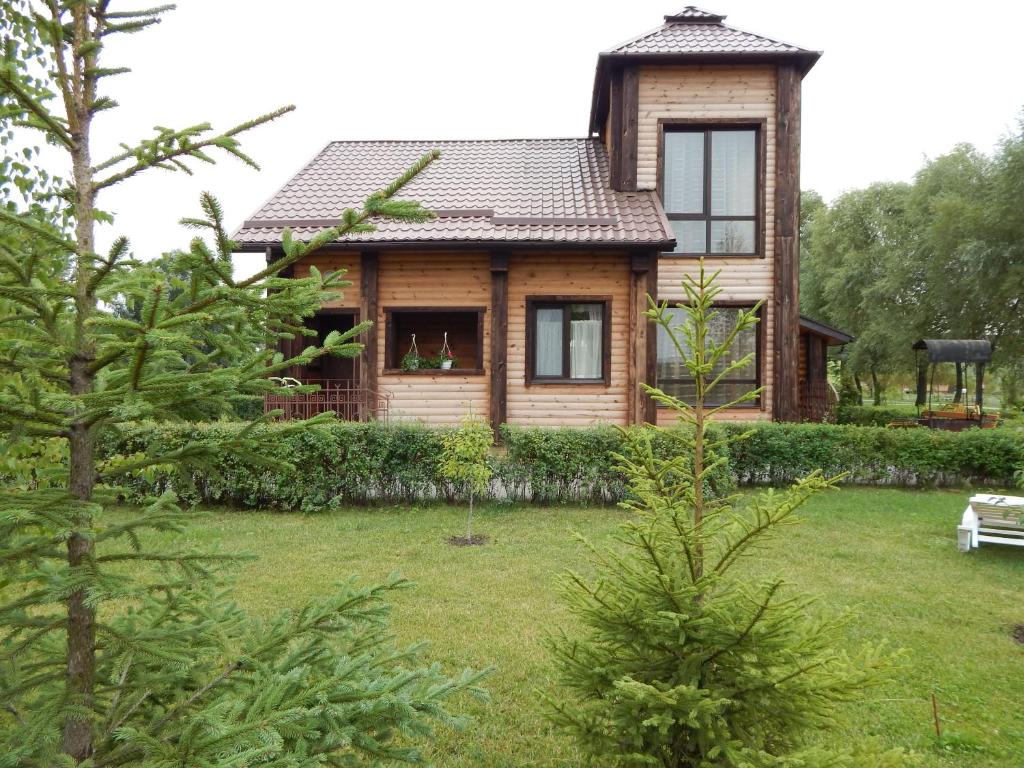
[(887, 555)]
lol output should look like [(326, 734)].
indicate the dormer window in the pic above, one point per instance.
[(710, 187)]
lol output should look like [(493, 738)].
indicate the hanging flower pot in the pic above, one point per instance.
[(447, 359), (411, 359)]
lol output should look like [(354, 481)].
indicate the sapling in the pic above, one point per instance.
[(679, 660), (464, 453)]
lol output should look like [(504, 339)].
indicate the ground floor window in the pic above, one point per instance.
[(676, 380), (568, 340), (423, 339)]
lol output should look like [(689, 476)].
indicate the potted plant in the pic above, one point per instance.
[(411, 360), (446, 357)]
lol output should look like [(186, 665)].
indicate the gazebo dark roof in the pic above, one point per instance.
[(956, 350)]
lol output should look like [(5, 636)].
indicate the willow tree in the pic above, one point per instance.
[(116, 647)]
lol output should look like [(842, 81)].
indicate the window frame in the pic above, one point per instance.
[(392, 358), (533, 303), (760, 351), (702, 125)]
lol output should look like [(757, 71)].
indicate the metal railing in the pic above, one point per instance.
[(346, 397)]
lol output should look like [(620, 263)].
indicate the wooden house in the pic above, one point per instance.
[(538, 263)]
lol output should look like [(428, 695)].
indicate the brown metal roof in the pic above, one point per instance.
[(548, 191), (692, 36), (697, 32)]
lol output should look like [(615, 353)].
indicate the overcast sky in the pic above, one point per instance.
[(899, 81)]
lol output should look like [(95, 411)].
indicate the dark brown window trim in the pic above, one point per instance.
[(391, 356), (535, 302), (759, 347), (760, 179)]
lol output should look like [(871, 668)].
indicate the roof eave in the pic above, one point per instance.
[(507, 245)]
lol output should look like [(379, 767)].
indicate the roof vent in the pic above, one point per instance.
[(694, 15)]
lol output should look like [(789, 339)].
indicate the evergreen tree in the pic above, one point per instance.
[(116, 646), (682, 662)]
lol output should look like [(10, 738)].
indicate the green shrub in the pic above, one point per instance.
[(873, 416), (778, 454), (347, 463)]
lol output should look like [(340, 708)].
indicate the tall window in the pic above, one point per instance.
[(675, 379), (567, 341), (709, 189)]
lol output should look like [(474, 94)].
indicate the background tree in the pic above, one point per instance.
[(941, 258), (680, 661), (117, 648), (464, 463)]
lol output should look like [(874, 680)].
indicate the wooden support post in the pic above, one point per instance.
[(369, 304), (630, 129), (785, 306), (499, 342), (642, 357)]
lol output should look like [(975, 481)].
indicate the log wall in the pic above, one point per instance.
[(434, 279), (547, 274)]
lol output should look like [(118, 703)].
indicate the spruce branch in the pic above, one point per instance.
[(169, 144)]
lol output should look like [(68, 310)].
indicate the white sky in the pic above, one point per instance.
[(899, 81)]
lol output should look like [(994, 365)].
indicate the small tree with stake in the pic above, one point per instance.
[(464, 463), (116, 647), (681, 662)]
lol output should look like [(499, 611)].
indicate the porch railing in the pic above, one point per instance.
[(817, 401), (346, 397)]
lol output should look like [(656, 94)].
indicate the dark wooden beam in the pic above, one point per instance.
[(651, 368), (499, 342), (369, 306), (786, 309), (615, 129), (630, 128), (642, 357)]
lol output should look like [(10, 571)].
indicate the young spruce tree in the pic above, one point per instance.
[(115, 651), (680, 661)]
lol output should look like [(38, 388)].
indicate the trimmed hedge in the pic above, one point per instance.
[(777, 454), (873, 416), (348, 463)]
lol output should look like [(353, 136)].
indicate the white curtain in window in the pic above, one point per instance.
[(733, 169), (549, 343), (585, 349)]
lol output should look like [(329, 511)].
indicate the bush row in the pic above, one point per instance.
[(776, 454), (349, 463), (873, 416)]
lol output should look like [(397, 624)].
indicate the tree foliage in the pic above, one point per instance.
[(118, 644), (942, 257), (464, 454), (680, 660)]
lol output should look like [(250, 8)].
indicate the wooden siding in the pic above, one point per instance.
[(721, 92), (705, 92), (434, 279), (546, 274), (330, 262)]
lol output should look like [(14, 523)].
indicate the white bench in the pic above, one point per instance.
[(992, 519)]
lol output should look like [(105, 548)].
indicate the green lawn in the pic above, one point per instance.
[(887, 555)]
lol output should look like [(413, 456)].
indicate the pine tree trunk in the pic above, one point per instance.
[(958, 395), (860, 389), (979, 384), (81, 628)]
